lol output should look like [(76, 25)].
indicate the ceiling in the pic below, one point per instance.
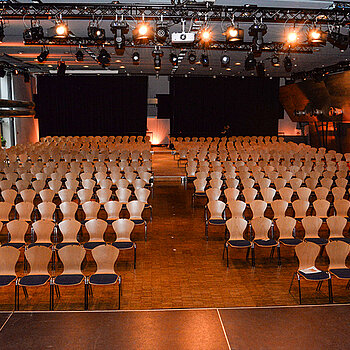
[(15, 52)]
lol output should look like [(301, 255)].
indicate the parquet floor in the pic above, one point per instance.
[(178, 268)]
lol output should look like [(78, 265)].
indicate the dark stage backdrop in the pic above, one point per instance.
[(92, 105), (203, 106)]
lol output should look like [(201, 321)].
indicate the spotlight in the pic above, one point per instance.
[(292, 37), (162, 32), (257, 30), (205, 60), (34, 33), (225, 60), (119, 29), (205, 35), (2, 31), (317, 37), (260, 70), (2, 72), (104, 58), (234, 34), (43, 55), (143, 32), (96, 33), (173, 59), (287, 62), (275, 61), (192, 58), (135, 58), (250, 62), (61, 68), (79, 56), (338, 39), (157, 54)]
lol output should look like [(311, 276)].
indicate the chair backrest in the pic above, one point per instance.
[(47, 210), (91, 209), (55, 185), (307, 253), (105, 257), (279, 207), (135, 209), (268, 194), (123, 194), (295, 183), (286, 194), (321, 207), (213, 194), (231, 194), (338, 192), (43, 229), (321, 192), (216, 209), (341, 207), (47, 195), (261, 227), (312, 225), (258, 207), (72, 185), (5, 209), (237, 208), (17, 229), (113, 209), (236, 226), (248, 183), (68, 210), (24, 210), (38, 185), (336, 225), (72, 256), (142, 194), (216, 183), (123, 229), (69, 229), (96, 229), (104, 195), (122, 183), (300, 208), (249, 194), (286, 225), (66, 195), (337, 252), (232, 182), (38, 258), (9, 195), (8, 260), (85, 195), (304, 193)]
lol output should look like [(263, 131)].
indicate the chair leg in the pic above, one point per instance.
[(206, 231), (145, 231), (16, 292), (319, 285), (279, 254), (330, 291), (272, 252), (86, 297), (151, 212), (51, 292), (248, 251), (253, 255), (25, 292), (226, 255), (299, 289), (119, 291), (291, 283), (322, 249), (57, 291), (348, 285), (223, 253), (134, 256)]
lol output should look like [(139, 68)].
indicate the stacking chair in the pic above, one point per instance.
[(85, 195), (300, 208), (217, 215), (338, 193), (336, 225), (304, 193), (213, 194), (105, 257), (307, 253), (8, 260), (321, 192), (112, 209), (88, 184), (69, 229), (72, 184), (231, 194), (24, 210), (38, 185), (236, 208), (122, 183), (295, 183), (249, 194), (68, 209), (123, 229), (135, 209), (286, 194), (341, 207), (321, 207), (268, 194), (258, 208), (232, 182), (9, 195), (5, 209), (312, 225), (72, 257), (66, 195), (286, 228), (142, 195), (55, 185), (47, 195), (104, 195), (96, 229), (28, 195), (43, 230), (199, 189), (279, 208), (38, 258), (123, 195), (261, 227), (236, 227)]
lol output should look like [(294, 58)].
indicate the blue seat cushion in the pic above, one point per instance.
[(34, 280), (103, 278), (5, 280), (217, 221), (239, 243), (110, 222), (123, 245), (138, 221), (15, 245), (68, 280), (200, 194), (341, 273), (317, 276), (290, 241), (319, 241), (344, 239), (61, 245), (265, 243), (92, 245), (40, 244)]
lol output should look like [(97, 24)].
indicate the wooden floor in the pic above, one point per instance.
[(178, 268)]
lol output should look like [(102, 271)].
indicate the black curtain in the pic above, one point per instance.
[(91, 105), (204, 106)]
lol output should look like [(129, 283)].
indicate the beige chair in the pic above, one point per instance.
[(5, 209), (338, 193), (286, 228), (91, 210), (232, 182), (66, 195), (231, 194), (85, 195), (304, 193), (336, 225), (47, 211), (28, 195), (104, 195), (237, 208), (47, 195), (268, 194), (72, 185), (38, 185), (22, 185), (312, 225), (96, 229), (341, 207), (55, 185), (69, 229), (112, 209), (321, 207), (249, 195), (135, 209), (122, 183), (321, 192), (24, 210), (142, 195), (295, 183), (123, 195), (43, 230), (300, 208), (286, 194), (258, 208), (9, 196), (279, 208), (213, 194), (68, 209)]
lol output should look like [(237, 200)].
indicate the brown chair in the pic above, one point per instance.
[(69, 229), (341, 207), (217, 215), (312, 225), (68, 209), (135, 209), (5, 209), (9, 195), (91, 210), (16, 231), (321, 207), (336, 225), (96, 229), (24, 210), (300, 208)]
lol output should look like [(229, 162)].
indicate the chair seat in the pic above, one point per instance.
[(265, 242), (123, 245), (344, 239), (103, 278), (110, 221), (200, 194), (239, 243), (68, 279), (34, 280), (6, 280), (15, 245), (138, 221), (61, 245), (317, 276), (290, 241), (92, 245), (343, 273), (217, 221), (48, 245), (316, 240)]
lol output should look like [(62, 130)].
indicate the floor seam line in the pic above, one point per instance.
[(6, 321), (223, 329)]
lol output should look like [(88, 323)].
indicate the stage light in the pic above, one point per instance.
[(225, 60), (34, 33), (275, 61), (96, 33), (292, 37), (257, 30), (205, 35), (173, 59), (250, 62), (79, 56), (43, 55), (317, 37), (338, 39), (287, 62), (61, 68), (205, 60), (135, 58), (162, 32), (143, 32), (192, 58), (119, 29), (157, 55), (104, 58), (234, 34), (260, 69), (61, 30), (2, 72), (2, 31)]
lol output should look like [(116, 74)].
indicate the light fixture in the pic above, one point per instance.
[(157, 58), (257, 30), (79, 56), (275, 61), (143, 32), (162, 32), (104, 58), (173, 59), (2, 31), (34, 33), (205, 35), (316, 37), (135, 57), (292, 37), (287, 62), (234, 34), (205, 60), (192, 58), (260, 69), (43, 55), (61, 68), (225, 60), (119, 29), (338, 39), (250, 62), (96, 33)]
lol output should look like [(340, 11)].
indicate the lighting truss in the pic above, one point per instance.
[(173, 13)]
